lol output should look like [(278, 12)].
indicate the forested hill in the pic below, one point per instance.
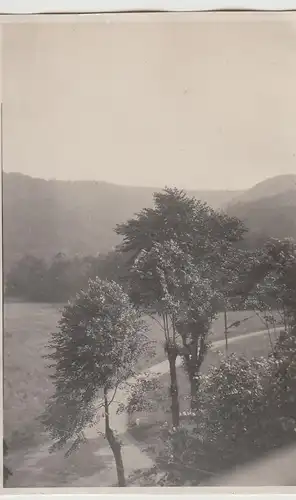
[(43, 218), (269, 216), (277, 186)]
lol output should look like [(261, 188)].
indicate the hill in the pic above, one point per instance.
[(273, 186), (273, 215), (46, 217)]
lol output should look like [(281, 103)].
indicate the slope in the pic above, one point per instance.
[(46, 217)]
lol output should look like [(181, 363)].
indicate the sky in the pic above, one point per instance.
[(201, 101)]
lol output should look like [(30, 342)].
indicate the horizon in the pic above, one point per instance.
[(141, 186), (159, 104)]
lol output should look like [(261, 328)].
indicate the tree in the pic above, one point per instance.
[(194, 225), (228, 277), (100, 338), (268, 283), (199, 302), (111, 266), (33, 279), (154, 278), (59, 276), (27, 279), (145, 395), (170, 285), (181, 237)]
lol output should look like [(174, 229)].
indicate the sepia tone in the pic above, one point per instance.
[(149, 255)]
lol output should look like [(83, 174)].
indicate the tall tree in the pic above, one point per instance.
[(184, 238), (155, 280), (268, 283), (196, 227), (100, 338), (201, 302)]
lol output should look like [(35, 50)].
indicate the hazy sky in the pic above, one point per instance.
[(206, 103)]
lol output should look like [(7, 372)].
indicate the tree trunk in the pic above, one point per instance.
[(114, 444), (226, 332), (194, 386), (192, 371), (193, 355), (172, 356)]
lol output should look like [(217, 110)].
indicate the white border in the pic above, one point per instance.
[(76, 6), (261, 493)]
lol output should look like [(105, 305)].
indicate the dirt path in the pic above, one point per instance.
[(119, 422)]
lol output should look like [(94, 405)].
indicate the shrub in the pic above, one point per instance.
[(245, 408)]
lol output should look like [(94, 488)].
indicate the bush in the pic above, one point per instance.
[(245, 408)]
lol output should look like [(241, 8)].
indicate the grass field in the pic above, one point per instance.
[(27, 329)]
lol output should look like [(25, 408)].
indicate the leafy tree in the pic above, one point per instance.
[(183, 297), (199, 303), (27, 279), (268, 283), (33, 279), (66, 276), (145, 395), (155, 281), (186, 242), (209, 289), (176, 216), (228, 276), (100, 338)]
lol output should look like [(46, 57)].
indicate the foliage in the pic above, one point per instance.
[(35, 280), (26, 279), (139, 399), (177, 216), (181, 250), (246, 407), (182, 235), (169, 284), (99, 340), (268, 283), (284, 386)]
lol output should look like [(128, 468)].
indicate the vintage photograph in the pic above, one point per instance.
[(149, 250)]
